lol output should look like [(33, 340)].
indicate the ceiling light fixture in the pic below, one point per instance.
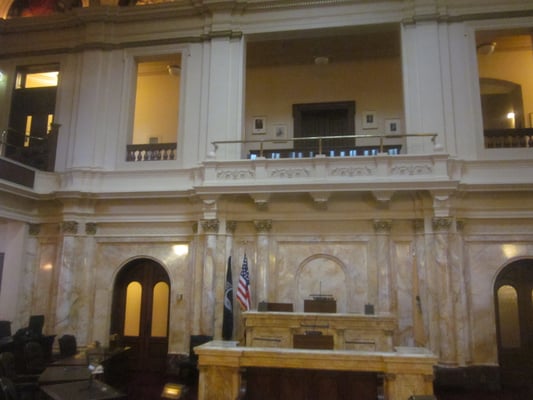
[(486, 48)]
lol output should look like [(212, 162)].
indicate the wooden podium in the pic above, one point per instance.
[(325, 305)]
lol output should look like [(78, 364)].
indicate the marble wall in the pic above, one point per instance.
[(435, 277)]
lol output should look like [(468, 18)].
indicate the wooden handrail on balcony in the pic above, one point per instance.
[(320, 139)]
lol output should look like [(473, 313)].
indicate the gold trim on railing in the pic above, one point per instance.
[(381, 138)]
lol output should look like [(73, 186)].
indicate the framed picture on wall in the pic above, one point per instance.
[(258, 125), (392, 126), (370, 120)]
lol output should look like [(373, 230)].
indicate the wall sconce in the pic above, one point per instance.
[(180, 249), (2, 76), (486, 48), (173, 70)]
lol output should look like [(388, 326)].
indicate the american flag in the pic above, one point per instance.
[(244, 296)]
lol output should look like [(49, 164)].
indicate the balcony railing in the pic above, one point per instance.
[(321, 145), (39, 152), (498, 138), (151, 152)]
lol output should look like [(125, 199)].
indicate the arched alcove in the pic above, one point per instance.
[(325, 275)]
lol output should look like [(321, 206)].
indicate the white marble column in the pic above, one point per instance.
[(386, 302), (262, 228), (29, 284), (462, 322), (443, 269), (420, 282), (71, 298), (210, 229), (197, 279), (223, 250)]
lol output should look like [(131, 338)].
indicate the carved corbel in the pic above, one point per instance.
[(210, 206), (320, 199), (261, 200), (442, 203), (383, 197)]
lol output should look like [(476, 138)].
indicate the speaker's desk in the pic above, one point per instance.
[(349, 331)]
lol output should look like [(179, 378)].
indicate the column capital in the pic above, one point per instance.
[(418, 225), (210, 225), (382, 225), (34, 229), (263, 226), (231, 226), (70, 227), (441, 224), (90, 228)]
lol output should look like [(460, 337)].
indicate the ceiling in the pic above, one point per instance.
[(337, 46)]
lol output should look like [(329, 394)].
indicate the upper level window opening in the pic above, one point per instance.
[(157, 106), (317, 69), (505, 63), (31, 139)]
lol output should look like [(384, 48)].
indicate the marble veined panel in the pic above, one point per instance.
[(485, 261), (338, 268), (403, 291), (113, 255)]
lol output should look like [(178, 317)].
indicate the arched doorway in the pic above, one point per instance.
[(140, 313), (513, 293)]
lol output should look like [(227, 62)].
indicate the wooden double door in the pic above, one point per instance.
[(140, 312)]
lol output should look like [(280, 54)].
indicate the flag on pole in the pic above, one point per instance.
[(244, 296), (227, 321)]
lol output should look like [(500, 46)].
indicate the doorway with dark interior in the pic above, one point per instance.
[(324, 119)]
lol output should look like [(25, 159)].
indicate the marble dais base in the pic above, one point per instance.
[(407, 371)]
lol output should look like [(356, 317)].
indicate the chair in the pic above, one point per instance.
[(7, 389), (36, 324), (67, 346), (188, 367), (26, 386), (5, 329), (34, 358)]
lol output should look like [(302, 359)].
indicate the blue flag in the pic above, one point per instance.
[(227, 321)]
